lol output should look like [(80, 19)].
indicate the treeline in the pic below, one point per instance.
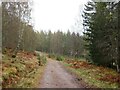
[(18, 33), (61, 43), (102, 33)]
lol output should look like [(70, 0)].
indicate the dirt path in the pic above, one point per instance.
[(55, 76)]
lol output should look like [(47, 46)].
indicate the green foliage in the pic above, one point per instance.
[(44, 60), (51, 56), (57, 57), (101, 33), (60, 58), (41, 60), (38, 57)]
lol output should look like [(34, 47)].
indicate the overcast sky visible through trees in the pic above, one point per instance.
[(58, 15)]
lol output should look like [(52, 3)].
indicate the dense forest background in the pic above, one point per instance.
[(30, 40), (100, 43)]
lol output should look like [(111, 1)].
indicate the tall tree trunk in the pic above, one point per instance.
[(20, 32), (118, 7)]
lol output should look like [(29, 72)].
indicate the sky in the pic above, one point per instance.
[(57, 15)]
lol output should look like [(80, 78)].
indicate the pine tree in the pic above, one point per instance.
[(101, 33)]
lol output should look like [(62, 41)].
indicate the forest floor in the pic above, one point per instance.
[(30, 70), (95, 76), (23, 71), (55, 76)]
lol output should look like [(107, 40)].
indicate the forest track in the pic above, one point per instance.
[(56, 76)]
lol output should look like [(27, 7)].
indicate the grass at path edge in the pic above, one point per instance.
[(89, 78)]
